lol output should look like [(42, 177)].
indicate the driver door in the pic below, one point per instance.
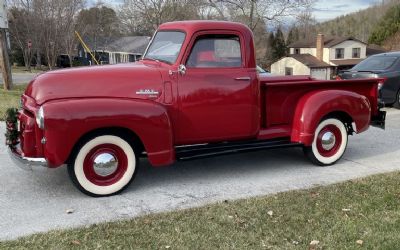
[(218, 96)]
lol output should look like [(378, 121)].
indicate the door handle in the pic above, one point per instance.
[(245, 78)]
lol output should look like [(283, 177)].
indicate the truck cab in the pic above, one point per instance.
[(195, 93)]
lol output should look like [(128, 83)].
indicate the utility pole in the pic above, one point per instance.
[(4, 58)]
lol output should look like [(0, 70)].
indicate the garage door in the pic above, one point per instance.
[(319, 73)]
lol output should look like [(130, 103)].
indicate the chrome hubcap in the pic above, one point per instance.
[(105, 164), (328, 141)]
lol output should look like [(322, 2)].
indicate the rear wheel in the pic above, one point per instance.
[(329, 144), (103, 166)]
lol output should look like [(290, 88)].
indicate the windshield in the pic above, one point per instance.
[(376, 63), (165, 46)]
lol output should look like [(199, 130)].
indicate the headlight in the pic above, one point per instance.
[(40, 118)]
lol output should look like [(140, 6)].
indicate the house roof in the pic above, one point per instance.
[(128, 44), (373, 49), (347, 62), (328, 42), (310, 61)]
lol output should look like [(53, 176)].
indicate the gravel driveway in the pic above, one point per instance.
[(36, 201)]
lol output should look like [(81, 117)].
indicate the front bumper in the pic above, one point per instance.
[(25, 163)]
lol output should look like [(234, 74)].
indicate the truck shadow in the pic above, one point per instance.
[(373, 148), (217, 168)]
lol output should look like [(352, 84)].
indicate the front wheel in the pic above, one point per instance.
[(103, 166), (329, 144)]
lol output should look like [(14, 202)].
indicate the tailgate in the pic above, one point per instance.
[(370, 90)]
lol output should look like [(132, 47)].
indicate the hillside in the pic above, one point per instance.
[(387, 32), (359, 24)]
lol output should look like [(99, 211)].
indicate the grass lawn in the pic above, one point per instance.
[(9, 99), (359, 214)]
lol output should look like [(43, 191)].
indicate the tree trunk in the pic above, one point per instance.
[(26, 59), (251, 15), (38, 59), (49, 61), (5, 61)]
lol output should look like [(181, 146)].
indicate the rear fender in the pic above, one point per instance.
[(316, 105), (66, 121)]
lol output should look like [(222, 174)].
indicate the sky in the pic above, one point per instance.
[(323, 9), (329, 9)]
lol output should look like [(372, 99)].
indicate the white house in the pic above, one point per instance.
[(324, 57), (302, 64)]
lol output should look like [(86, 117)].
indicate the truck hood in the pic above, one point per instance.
[(132, 80)]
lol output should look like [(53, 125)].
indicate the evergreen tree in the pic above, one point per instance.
[(279, 48), (270, 44), (387, 27), (293, 36)]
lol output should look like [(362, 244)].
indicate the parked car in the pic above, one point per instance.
[(196, 93), (387, 66), (63, 61), (262, 72)]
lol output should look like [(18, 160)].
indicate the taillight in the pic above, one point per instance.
[(338, 78), (381, 82)]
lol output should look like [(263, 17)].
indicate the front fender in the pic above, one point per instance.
[(66, 121), (314, 106)]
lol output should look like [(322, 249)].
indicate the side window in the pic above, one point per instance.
[(339, 53), (215, 52)]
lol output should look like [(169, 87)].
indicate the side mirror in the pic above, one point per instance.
[(182, 69)]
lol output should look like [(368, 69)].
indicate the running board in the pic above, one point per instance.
[(215, 149)]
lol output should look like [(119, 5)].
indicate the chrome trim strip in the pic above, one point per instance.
[(245, 78)]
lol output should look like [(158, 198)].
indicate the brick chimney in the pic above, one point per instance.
[(320, 47)]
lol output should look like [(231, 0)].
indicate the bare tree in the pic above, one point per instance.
[(144, 16), (47, 24), (259, 10), (22, 28), (70, 10), (57, 23)]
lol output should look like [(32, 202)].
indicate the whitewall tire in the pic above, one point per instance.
[(103, 166), (329, 144)]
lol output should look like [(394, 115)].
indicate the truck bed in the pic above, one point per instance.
[(280, 95)]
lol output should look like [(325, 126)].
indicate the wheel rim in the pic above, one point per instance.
[(105, 164), (329, 140)]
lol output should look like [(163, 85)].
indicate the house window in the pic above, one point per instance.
[(288, 71), (356, 52), (296, 51), (339, 53)]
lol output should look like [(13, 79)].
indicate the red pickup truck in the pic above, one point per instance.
[(196, 93)]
